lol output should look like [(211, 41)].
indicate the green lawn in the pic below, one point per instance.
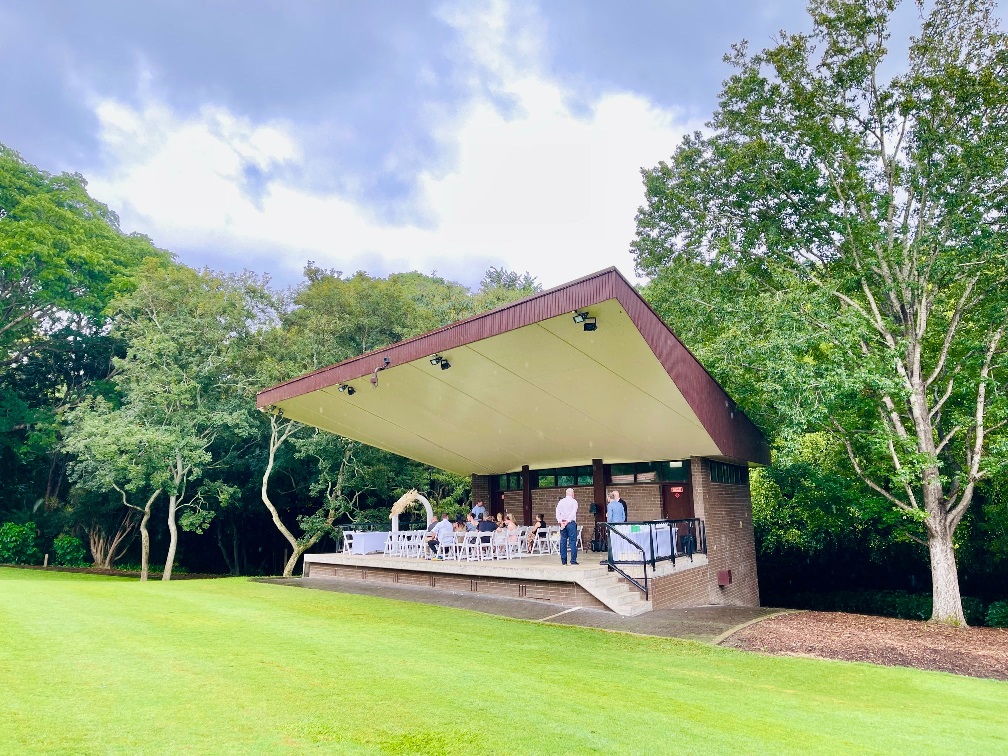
[(110, 665)]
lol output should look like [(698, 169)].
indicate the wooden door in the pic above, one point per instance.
[(677, 500)]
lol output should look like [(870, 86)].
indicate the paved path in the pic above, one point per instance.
[(705, 623)]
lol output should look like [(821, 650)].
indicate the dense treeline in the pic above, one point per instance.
[(129, 381)]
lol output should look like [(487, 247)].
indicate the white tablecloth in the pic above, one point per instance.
[(369, 543), (664, 537)]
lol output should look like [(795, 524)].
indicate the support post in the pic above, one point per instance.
[(526, 495), (598, 478)]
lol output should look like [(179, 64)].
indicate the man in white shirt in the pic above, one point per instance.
[(440, 533), (566, 515)]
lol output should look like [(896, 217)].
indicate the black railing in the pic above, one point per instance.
[(614, 565), (649, 542)]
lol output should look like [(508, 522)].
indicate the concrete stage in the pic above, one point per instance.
[(534, 578)]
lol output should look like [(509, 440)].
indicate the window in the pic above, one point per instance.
[(566, 477), (722, 472), (622, 473), (509, 482), (585, 476), (675, 471), (647, 472), (545, 478)]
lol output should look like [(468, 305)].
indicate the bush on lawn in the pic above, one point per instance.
[(17, 544), (899, 604), (69, 551), (997, 614)]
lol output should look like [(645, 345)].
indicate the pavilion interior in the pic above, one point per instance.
[(548, 394)]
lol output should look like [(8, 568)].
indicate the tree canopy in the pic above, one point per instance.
[(844, 222)]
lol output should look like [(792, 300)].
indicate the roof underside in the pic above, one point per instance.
[(544, 393)]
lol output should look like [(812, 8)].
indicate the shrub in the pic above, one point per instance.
[(17, 544), (69, 551), (973, 610), (997, 614)]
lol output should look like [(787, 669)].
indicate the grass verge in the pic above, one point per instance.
[(90, 664)]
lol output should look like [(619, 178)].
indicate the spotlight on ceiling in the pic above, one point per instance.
[(350, 391), (580, 317), (436, 359), (445, 364), (590, 324), (387, 361), (343, 387)]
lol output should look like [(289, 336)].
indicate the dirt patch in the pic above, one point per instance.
[(973, 651)]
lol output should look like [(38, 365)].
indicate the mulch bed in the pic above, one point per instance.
[(153, 575), (973, 651)]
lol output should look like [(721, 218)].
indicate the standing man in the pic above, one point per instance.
[(615, 509), (478, 511), (566, 515)]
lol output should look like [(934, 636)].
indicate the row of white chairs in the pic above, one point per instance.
[(478, 546)]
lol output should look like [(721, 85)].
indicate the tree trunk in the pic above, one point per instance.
[(299, 550), (947, 607), (277, 437), (173, 536), (145, 537)]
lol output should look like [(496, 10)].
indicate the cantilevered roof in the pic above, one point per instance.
[(529, 386)]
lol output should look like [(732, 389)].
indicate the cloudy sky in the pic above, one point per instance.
[(381, 135)]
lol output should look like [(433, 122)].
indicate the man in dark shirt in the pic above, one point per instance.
[(486, 525)]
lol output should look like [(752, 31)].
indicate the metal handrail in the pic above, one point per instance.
[(613, 565), (693, 540)]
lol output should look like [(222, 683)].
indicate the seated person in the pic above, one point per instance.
[(486, 525), (470, 523), (511, 528), (539, 523), (441, 532)]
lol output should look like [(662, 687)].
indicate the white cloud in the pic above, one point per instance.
[(542, 187)]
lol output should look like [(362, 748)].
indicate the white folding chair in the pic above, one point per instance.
[(580, 543), (448, 548), (348, 541), (541, 544), (468, 549)]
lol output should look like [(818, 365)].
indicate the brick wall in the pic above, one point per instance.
[(727, 513), (689, 588), (562, 594), (481, 490), (643, 500), (544, 501)]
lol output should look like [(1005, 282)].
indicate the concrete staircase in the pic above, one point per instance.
[(614, 592)]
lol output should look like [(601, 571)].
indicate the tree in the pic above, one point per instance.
[(869, 214), (182, 379), (63, 257), (113, 449)]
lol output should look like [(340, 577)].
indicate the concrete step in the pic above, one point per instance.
[(634, 610)]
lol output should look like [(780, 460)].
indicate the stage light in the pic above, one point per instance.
[(345, 389), (387, 361), (590, 324), (580, 317), (436, 359), (342, 388), (445, 364), (350, 390)]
